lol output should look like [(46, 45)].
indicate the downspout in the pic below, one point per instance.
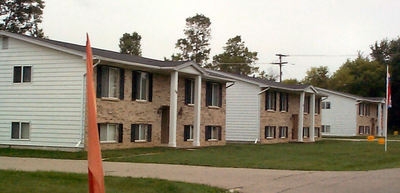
[(83, 107)]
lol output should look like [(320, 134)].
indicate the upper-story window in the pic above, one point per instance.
[(22, 74), (142, 86), (363, 109), (213, 94), (307, 104), (326, 105), (110, 82), (189, 91), (284, 102), (270, 100)]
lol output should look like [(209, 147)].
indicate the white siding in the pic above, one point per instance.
[(242, 112), (341, 117), (52, 102)]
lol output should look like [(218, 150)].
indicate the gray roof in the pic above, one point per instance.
[(100, 52), (262, 82), (355, 97)]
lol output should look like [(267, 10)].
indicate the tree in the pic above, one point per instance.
[(271, 75), (360, 77), (291, 81), (388, 53), (195, 45), (236, 58), (22, 16), (130, 44), (317, 76)]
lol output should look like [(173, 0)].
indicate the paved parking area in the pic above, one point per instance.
[(244, 180)]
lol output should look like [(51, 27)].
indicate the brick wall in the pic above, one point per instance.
[(288, 119), (128, 111)]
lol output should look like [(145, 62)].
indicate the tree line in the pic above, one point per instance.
[(364, 76)]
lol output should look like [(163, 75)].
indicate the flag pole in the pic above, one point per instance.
[(387, 104)]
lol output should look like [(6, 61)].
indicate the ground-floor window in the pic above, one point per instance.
[(316, 132), (20, 130), (140, 133), (283, 132), (270, 132), (306, 132), (361, 130), (188, 133), (367, 130), (326, 129), (213, 133), (110, 132)]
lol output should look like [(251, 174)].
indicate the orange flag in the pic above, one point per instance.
[(95, 166)]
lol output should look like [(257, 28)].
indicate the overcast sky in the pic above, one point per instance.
[(313, 32)]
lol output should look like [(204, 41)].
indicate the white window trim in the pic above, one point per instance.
[(107, 129), (140, 94), (22, 75), (286, 129), (141, 129), (108, 97), (20, 129)]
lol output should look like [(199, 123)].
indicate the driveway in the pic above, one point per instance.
[(244, 180)]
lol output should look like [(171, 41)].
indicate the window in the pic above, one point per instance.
[(22, 74), (110, 132), (20, 130), (326, 105), (214, 94), (367, 109), (188, 133), (361, 109), (213, 133), (270, 100), (306, 132), (317, 105), (140, 133), (142, 86), (270, 132), (361, 130), (307, 104), (4, 43), (110, 82), (364, 109), (326, 129), (189, 91), (284, 102), (316, 132), (367, 130), (283, 132)]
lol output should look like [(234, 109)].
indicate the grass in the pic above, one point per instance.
[(325, 155), (54, 182)]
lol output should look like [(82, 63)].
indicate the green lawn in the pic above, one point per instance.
[(328, 155), (53, 182)]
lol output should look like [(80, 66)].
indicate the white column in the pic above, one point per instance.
[(379, 120), (197, 111), (312, 120), (301, 118), (173, 109)]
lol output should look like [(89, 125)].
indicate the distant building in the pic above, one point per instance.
[(345, 114), (271, 112)]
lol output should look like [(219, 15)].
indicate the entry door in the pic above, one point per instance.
[(165, 125)]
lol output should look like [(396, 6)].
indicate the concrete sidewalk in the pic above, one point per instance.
[(244, 180)]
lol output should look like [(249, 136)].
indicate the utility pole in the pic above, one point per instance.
[(280, 63)]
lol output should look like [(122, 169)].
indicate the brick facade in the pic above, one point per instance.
[(368, 121), (289, 119), (127, 112)]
